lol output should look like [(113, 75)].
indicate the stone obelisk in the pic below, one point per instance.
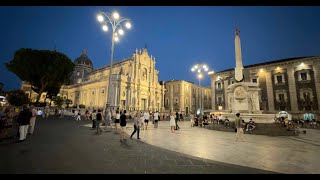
[(239, 67)]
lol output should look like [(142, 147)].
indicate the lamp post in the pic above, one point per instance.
[(199, 68), (115, 21)]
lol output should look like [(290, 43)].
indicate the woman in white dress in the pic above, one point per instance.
[(172, 122)]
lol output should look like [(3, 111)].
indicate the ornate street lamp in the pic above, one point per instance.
[(115, 21)]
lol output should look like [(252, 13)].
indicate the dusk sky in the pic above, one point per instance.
[(178, 37)]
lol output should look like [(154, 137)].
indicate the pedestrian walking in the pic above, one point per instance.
[(177, 119), (156, 119), (24, 121), (136, 125), (239, 125), (146, 116), (78, 115)]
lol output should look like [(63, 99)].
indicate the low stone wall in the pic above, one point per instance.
[(261, 129)]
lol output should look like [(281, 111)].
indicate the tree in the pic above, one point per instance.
[(17, 98), (52, 90), (41, 68), (1, 88), (58, 101)]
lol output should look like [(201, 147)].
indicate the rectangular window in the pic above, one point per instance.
[(254, 80), (281, 97), (219, 85), (303, 76), (279, 79), (78, 73), (219, 100)]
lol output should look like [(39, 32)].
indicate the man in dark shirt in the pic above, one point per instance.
[(123, 123), (177, 119), (98, 121), (24, 121)]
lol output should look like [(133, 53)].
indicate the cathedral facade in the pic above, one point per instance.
[(135, 84)]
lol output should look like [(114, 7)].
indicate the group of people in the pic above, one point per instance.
[(25, 119), (119, 118)]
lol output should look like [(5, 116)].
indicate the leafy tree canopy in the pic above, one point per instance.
[(41, 68)]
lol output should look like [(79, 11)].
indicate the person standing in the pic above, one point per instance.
[(146, 116), (108, 119), (123, 123), (94, 119), (24, 121), (141, 120), (239, 126), (99, 118), (32, 119), (156, 119), (78, 115), (136, 125), (117, 120), (172, 122), (191, 120), (47, 111), (177, 119)]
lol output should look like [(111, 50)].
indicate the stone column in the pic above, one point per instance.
[(225, 99), (213, 95), (292, 88), (171, 97), (270, 90), (316, 69), (181, 98)]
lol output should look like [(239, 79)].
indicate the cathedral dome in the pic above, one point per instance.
[(83, 59)]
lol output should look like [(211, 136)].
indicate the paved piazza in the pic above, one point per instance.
[(279, 154), (66, 146)]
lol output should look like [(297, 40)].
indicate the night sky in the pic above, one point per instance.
[(178, 37)]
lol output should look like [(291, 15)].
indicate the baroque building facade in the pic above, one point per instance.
[(135, 84), (291, 85), (186, 97)]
